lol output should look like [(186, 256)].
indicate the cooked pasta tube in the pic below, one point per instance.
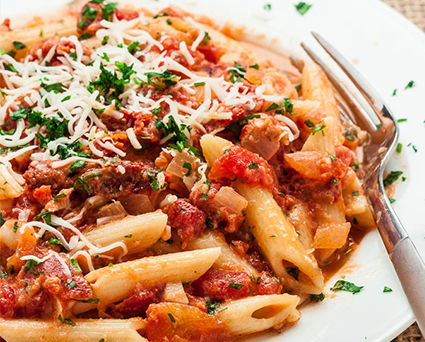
[(112, 284), (275, 236), (137, 232), (81, 330), (30, 36), (259, 313), (356, 204), (228, 258)]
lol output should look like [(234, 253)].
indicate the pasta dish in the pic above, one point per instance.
[(159, 181)]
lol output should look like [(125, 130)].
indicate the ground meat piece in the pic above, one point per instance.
[(268, 284), (244, 165), (222, 285), (138, 302), (41, 173), (187, 219), (262, 136), (173, 322), (7, 300)]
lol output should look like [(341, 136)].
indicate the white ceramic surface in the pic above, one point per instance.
[(389, 51)]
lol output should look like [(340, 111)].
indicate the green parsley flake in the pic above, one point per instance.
[(392, 177), (253, 166), (236, 286), (399, 147), (387, 289), (410, 85), (302, 7), (317, 298), (342, 285)]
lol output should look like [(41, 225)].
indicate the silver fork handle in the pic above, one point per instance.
[(411, 273)]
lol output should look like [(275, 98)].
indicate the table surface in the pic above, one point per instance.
[(414, 10)]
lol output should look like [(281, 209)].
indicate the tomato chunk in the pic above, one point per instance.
[(223, 285), (237, 162)]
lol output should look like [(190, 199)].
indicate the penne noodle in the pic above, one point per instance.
[(30, 36), (9, 236), (81, 330), (137, 232), (112, 284), (259, 313)]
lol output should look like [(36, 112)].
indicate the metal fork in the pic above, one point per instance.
[(367, 110)]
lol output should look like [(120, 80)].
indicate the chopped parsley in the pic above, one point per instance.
[(188, 167), (286, 105), (81, 182), (110, 80), (342, 285), (253, 166), (317, 298), (199, 84), (30, 265), (133, 47), (399, 147), (54, 87), (91, 300), (410, 85), (387, 289), (70, 285), (267, 7), (395, 92), (20, 114), (171, 317), (302, 7), (75, 165), (402, 120), (18, 45), (314, 128), (351, 134), (105, 40), (76, 265), (333, 180), (15, 227), (236, 286), (2, 220), (162, 80), (10, 67), (212, 305), (392, 200), (53, 241), (355, 193), (66, 321), (392, 177), (128, 236), (46, 216), (154, 182)]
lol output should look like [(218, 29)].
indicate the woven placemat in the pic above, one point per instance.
[(414, 10)]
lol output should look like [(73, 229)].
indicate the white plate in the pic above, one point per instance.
[(389, 51)]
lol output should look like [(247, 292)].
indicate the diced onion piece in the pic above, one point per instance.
[(111, 212), (229, 198), (174, 292), (176, 166)]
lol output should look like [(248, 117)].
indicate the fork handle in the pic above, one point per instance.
[(411, 271)]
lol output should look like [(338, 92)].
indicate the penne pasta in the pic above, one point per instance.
[(30, 36), (259, 313), (65, 330), (112, 284), (137, 232)]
